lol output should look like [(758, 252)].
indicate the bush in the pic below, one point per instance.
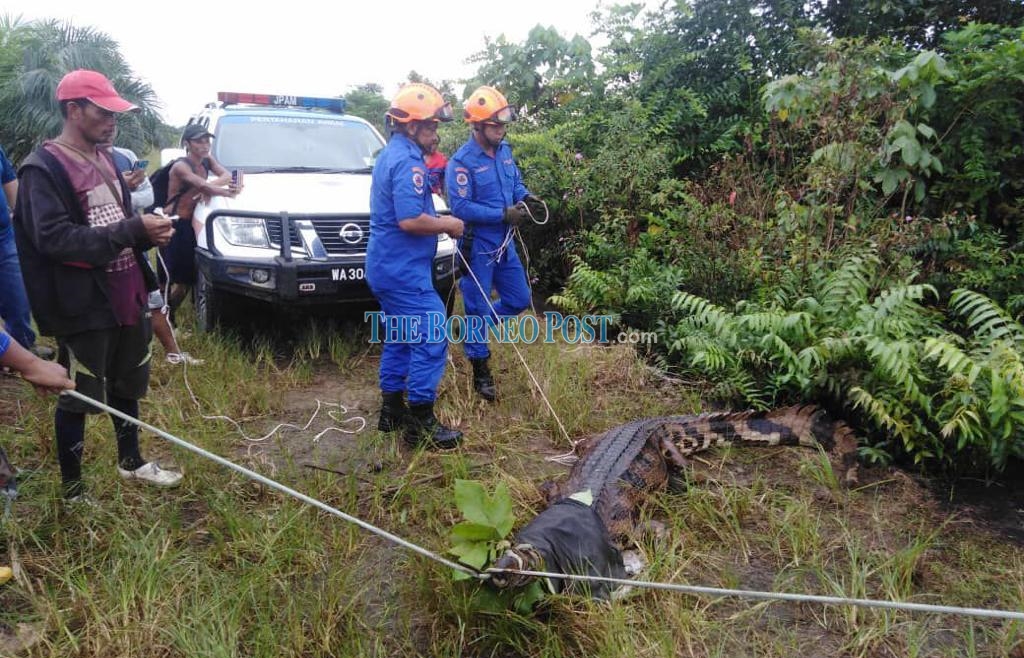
[(917, 389)]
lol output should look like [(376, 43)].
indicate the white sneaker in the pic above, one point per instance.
[(174, 358), (150, 472)]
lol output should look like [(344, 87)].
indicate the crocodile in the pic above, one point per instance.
[(593, 515)]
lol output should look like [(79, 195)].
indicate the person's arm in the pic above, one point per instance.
[(184, 173), (223, 176), (138, 182), (54, 234), (142, 196), (8, 179), (46, 376), (459, 180), (519, 191), (429, 225), (407, 181), (11, 192)]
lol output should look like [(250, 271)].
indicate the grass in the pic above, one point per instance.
[(226, 567)]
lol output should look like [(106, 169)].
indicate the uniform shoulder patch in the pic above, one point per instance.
[(461, 178)]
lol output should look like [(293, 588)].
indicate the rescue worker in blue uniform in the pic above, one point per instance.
[(486, 190), (399, 260)]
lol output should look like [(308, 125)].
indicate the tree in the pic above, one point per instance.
[(367, 101), (36, 55), (545, 72), (917, 23), (446, 87)]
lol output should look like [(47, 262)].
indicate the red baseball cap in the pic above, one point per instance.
[(95, 88)]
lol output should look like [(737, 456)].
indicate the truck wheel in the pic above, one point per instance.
[(209, 306)]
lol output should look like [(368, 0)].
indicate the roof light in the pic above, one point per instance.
[(336, 105)]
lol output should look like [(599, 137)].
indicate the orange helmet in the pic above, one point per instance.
[(419, 102), (488, 105)]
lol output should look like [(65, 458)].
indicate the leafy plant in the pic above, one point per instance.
[(480, 539), (913, 385), (488, 519), (983, 392)]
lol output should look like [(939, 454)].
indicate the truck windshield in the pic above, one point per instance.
[(299, 144)]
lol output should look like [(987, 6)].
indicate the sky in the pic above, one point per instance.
[(300, 47)]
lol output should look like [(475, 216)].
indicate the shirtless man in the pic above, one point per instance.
[(188, 183)]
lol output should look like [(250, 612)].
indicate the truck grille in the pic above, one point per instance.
[(329, 230)]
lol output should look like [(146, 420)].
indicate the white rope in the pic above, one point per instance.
[(529, 212), (183, 361), (689, 589), (533, 378), (276, 485), (776, 596)]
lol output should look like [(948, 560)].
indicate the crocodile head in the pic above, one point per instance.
[(566, 538), (522, 557)]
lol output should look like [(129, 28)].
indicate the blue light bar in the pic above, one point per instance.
[(336, 105)]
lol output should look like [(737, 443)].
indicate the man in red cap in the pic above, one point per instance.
[(81, 255)]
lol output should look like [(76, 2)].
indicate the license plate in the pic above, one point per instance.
[(348, 274)]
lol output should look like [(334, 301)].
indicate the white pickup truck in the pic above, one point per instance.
[(297, 233)]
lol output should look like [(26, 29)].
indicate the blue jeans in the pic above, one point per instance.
[(14, 307)]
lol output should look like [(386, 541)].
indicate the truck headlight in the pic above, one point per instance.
[(243, 231)]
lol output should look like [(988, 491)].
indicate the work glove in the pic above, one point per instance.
[(515, 215)]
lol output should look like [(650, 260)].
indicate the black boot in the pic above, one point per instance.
[(424, 428), (483, 382), (393, 412)]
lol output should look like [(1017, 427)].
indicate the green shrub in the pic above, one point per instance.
[(915, 388)]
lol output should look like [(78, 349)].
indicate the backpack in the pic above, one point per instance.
[(161, 180)]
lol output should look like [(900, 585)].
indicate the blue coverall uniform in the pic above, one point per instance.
[(479, 189), (14, 308), (399, 266)]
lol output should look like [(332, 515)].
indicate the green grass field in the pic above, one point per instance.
[(223, 567)]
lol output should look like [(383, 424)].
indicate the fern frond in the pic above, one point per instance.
[(986, 318), (951, 357), (847, 287), (878, 411), (705, 315), (896, 312)]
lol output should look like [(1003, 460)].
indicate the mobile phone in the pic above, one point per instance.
[(141, 164)]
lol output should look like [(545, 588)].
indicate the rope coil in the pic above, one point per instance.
[(183, 362)]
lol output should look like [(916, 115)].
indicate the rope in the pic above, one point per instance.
[(547, 213), (252, 475), (690, 589), (533, 378), (183, 361), (776, 596)]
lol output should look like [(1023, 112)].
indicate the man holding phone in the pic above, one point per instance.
[(82, 254), (134, 172)]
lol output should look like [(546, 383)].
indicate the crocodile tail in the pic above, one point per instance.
[(810, 426), (805, 425)]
